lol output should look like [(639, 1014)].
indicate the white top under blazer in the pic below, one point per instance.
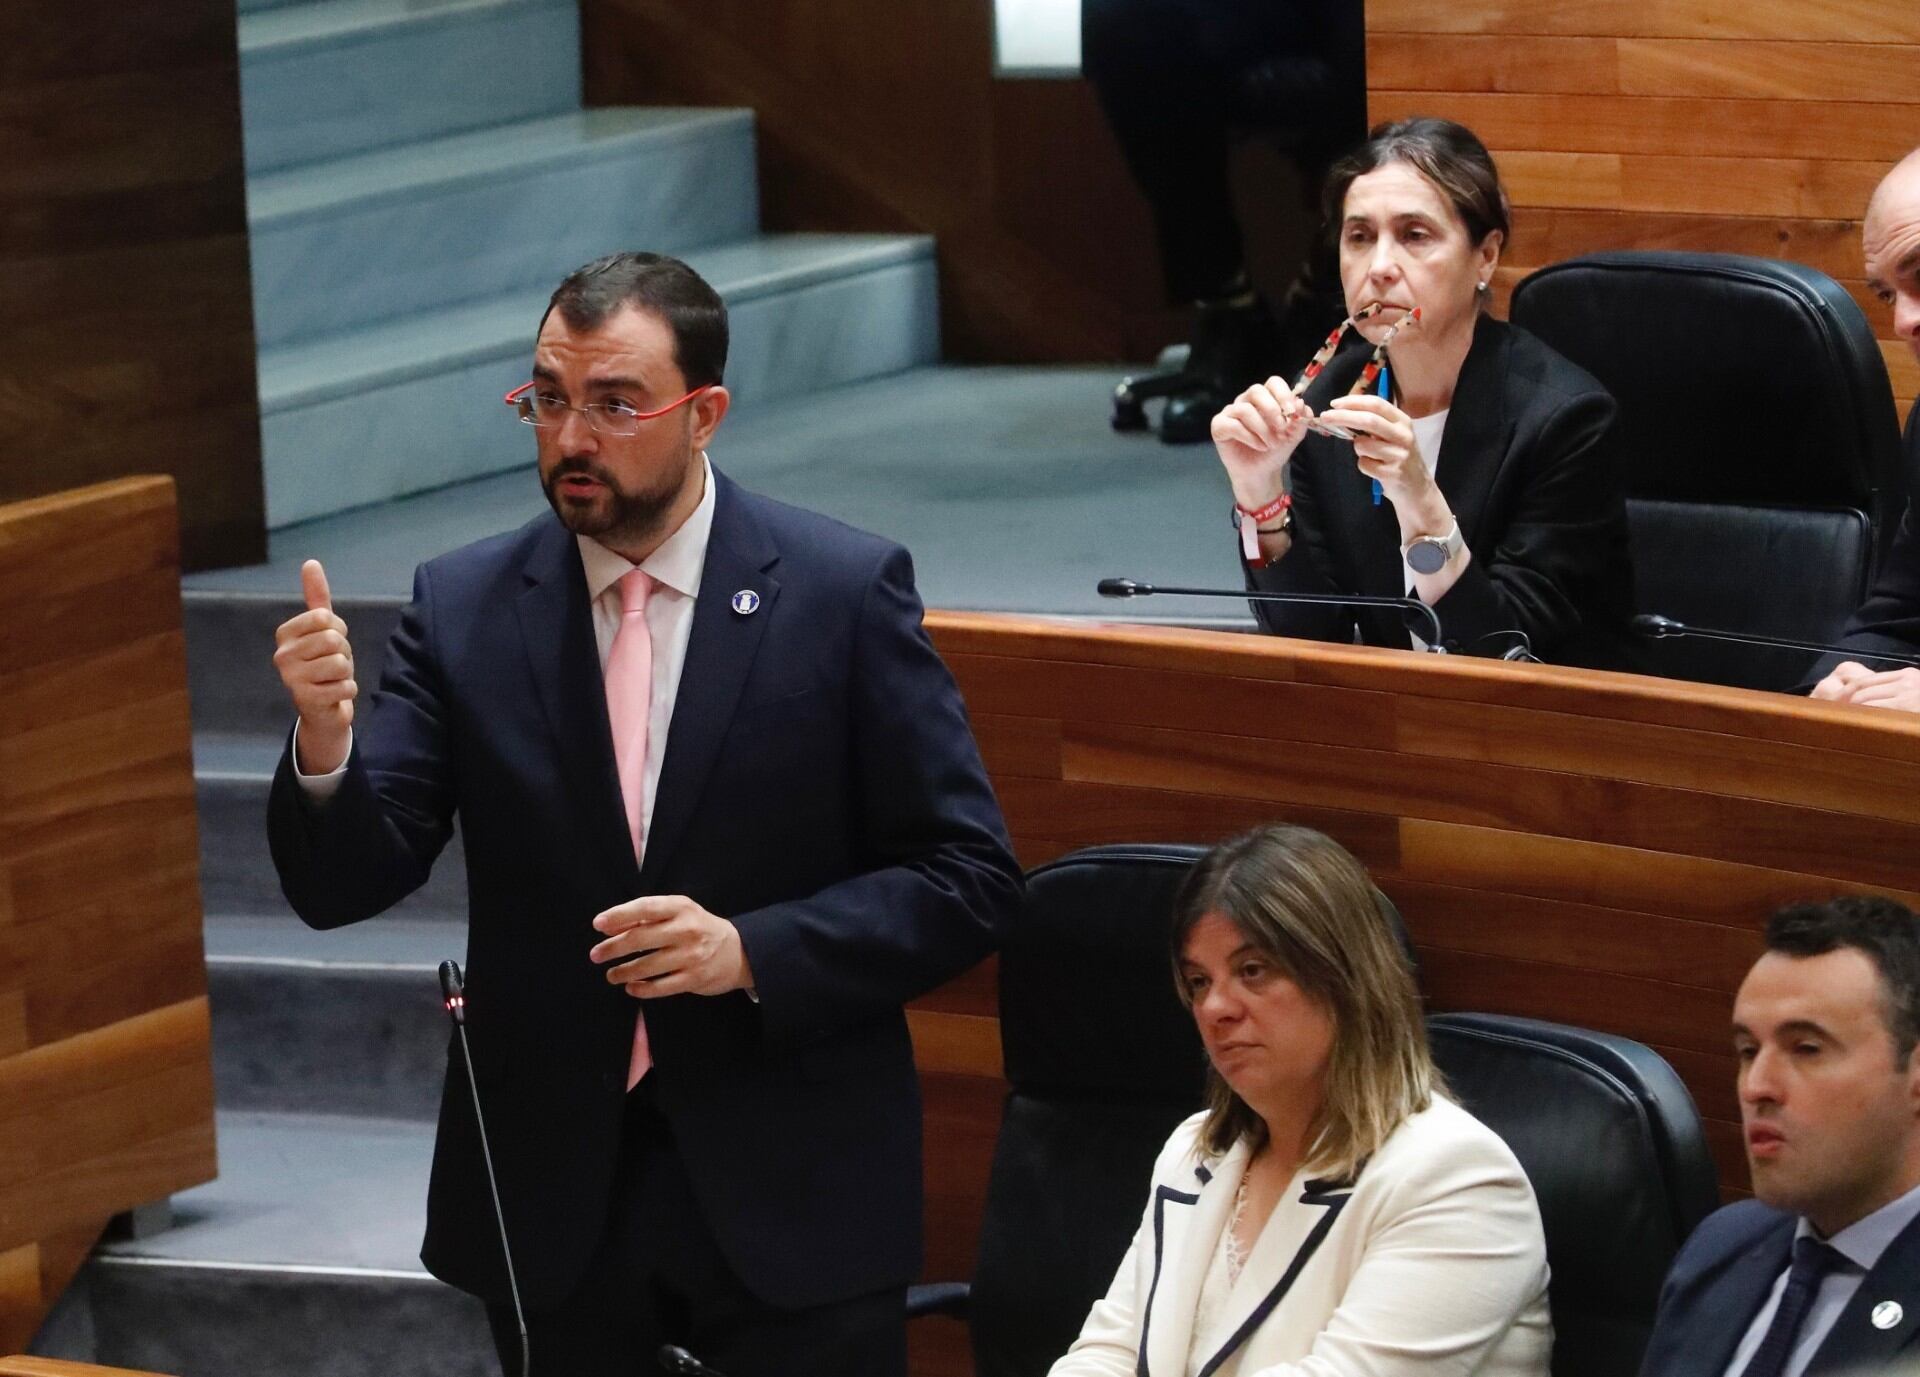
[(1430, 1262)]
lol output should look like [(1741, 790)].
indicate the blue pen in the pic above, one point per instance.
[(1384, 390)]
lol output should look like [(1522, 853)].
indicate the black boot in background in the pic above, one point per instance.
[(1234, 346)]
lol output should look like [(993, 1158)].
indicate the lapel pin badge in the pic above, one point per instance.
[(746, 602), (1887, 1314)]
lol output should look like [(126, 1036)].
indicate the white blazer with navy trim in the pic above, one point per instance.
[(1430, 1262)]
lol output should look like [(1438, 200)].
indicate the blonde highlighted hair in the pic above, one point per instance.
[(1300, 899)]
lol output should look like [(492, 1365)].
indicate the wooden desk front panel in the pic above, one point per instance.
[(1757, 128), (106, 1085)]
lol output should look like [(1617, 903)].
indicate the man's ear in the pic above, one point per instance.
[(709, 409)]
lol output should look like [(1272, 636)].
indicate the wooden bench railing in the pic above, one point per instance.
[(55, 1367), (106, 1081)]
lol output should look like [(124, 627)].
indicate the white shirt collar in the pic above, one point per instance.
[(1863, 1241), (678, 561)]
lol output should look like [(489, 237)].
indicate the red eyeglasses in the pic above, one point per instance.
[(608, 418)]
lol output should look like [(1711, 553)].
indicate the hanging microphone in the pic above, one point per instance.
[(453, 993), (674, 1358), (1131, 588), (1657, 628)]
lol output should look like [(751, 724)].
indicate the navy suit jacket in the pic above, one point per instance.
[(1530, 468), (1723, 1275), (1889, 620), (821, 788)]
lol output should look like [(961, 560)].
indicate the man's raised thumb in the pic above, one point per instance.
[(313, 582)]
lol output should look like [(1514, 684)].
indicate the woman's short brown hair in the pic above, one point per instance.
[(1447, 154), (1309, 906)]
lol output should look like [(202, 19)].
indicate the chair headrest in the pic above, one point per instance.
[(1613, 1145), (1087, 1004), (1739, 379)]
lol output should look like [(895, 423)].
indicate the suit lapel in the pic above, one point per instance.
[(1856, 1343), (720, 653), (1314, 1197), (1727, 1305), (556, 630), (1187, 1225), (1479, 432)]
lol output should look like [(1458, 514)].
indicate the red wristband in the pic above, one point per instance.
[(1261, 515)]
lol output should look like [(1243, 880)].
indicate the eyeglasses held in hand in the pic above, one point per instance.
[(1368, 375), (538, 408)]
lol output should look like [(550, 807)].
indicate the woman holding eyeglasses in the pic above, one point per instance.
[(1477, 470), (1330, 1213)]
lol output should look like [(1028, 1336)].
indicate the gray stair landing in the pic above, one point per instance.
[(301, 1258), (347, 243), (413, 404), (327, 80)]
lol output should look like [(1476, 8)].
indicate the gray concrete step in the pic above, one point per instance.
[(340, 77), (378, 236), (301, 1260), (413, 404)]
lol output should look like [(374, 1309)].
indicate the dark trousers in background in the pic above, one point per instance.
[(1176, 78), (659, 1278)]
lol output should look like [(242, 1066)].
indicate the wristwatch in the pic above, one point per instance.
[(1429, 554)]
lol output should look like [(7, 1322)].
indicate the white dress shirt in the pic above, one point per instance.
[(675, 568), (1428, 431), (1861, 1243)]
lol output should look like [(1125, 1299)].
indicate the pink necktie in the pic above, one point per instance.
[(629, 694)]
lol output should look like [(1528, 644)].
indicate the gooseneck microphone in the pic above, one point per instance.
[(1132, 588), (453, 993), (1657, 628)]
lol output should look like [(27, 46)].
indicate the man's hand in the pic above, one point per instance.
[(1838, 684), (675, 946), (1855, 683), (316, 665)]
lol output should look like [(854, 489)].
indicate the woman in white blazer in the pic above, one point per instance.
[(1331, 1214)]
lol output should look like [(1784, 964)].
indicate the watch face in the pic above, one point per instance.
[(1427, 555)]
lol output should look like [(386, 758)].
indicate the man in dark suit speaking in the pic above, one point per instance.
[(1821, 1272), (723, 815)]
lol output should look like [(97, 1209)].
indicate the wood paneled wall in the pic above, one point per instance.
[(1759, 127), (1597, 849), (128, 342), (884, 116), (106, 1080)]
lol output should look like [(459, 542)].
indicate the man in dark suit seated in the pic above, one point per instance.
[(1889, 620), (1820, 1273), (723, 815)]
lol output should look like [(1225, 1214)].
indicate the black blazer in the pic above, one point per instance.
[(1529, 467), (821, 788), (1889, 620), (1724, 1274)]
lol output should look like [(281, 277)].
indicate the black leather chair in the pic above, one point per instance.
[(1102, 1061), (1611, 1141), (1760, 440)]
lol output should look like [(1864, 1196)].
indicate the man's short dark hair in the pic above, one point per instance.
[(1887, 933), (662, 286)]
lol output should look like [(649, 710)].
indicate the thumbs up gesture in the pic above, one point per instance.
[(316, 664)]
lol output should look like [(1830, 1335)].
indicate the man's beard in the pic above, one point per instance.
[(621, 515)]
